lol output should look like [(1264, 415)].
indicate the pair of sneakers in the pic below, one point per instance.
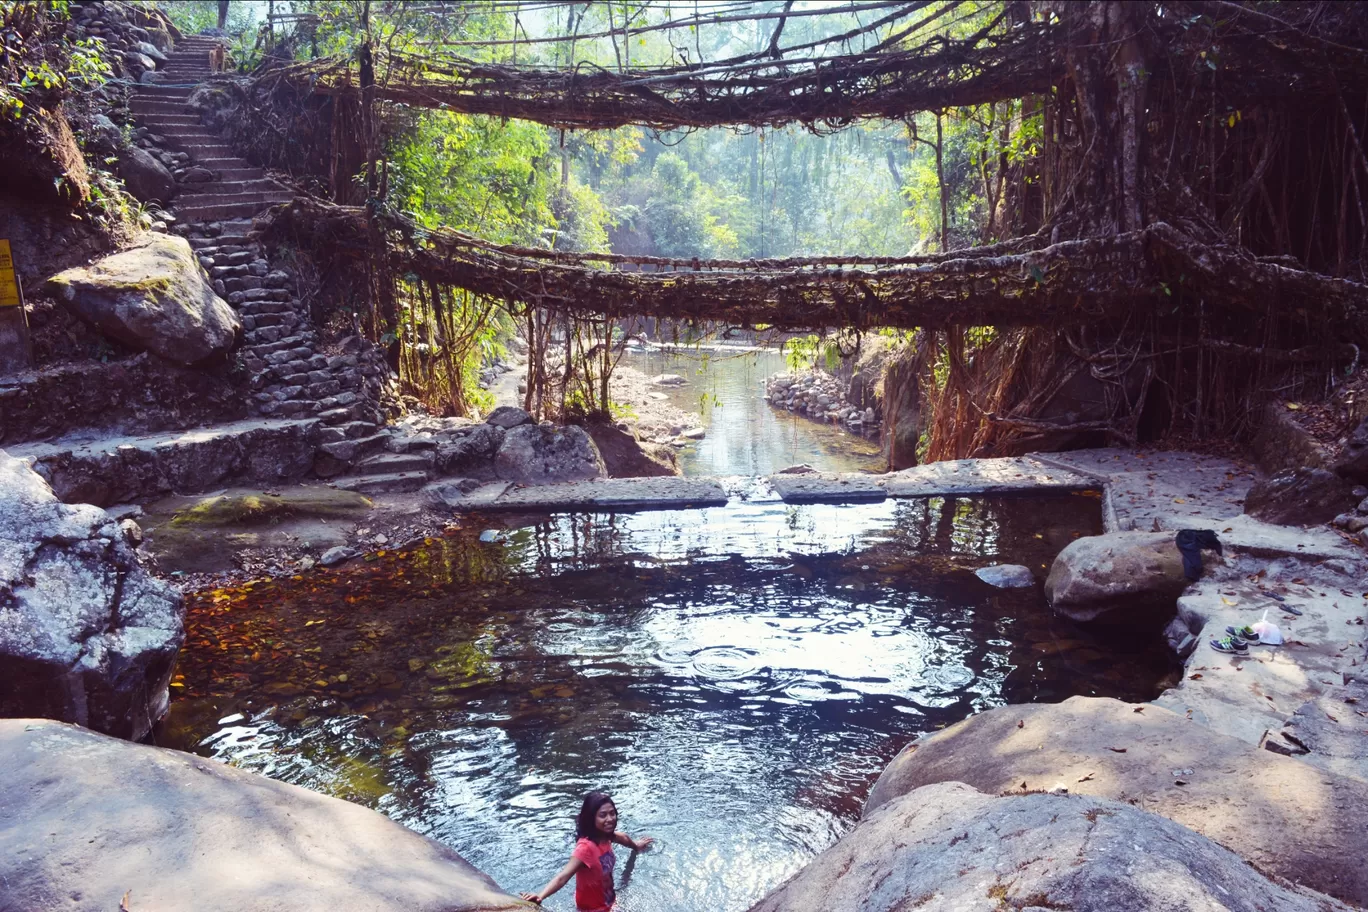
[(1237, 640)]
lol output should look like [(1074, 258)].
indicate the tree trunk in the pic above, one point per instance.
[(222, 14)]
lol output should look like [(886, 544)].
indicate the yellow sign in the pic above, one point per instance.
[(9, 288)]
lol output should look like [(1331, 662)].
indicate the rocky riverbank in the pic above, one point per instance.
[(1245, 783), (821, 397)]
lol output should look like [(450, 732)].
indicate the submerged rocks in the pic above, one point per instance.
[(1006, 576), (1246, 798), (1101, 573), (153, 297), (1300, 497), (536, 454), (949, 846), (86, 635), (90, 820)]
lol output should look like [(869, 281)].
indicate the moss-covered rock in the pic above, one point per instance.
[(153, 297)]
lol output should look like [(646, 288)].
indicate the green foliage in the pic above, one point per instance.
[(39, 63), (490, 177), (194, 16)]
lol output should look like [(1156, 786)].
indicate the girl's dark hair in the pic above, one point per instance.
[(585, 827)]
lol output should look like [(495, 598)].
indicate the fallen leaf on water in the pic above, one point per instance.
[(1194, 677)]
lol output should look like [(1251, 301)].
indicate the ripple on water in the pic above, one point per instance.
[(736, 700)]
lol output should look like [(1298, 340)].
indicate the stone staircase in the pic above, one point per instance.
[(221, 185), (290, 377)]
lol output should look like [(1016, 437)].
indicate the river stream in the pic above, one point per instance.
[(736, 677)]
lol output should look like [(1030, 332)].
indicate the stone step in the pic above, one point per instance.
[(187, 138), (161, 92), (397, 483), (222, 163), (216, 212), (168, 119), (105, 470), (246, 173), (356, 429), (262, 198), (235, 188), (391, 463)]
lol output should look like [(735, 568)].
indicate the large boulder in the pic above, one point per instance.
[(949, 846), (86, 820), (146, 178), (534, 454), (1353, 460), (1286, 816), (153, 297), (508, 416), (1101, 573), (1300, 497), (86, 635), (470, 451)]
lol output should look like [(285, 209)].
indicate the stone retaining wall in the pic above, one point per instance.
[(822, 397)]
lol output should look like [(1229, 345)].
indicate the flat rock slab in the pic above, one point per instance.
[(825, 487), (1248, 696), (1157, 491), (1285, 816), (960, 477), (950, 847), (110, 469), (86, 819), (203, 533), (663, 493)]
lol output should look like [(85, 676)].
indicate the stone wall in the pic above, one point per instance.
[(822, 397), (142, 394)]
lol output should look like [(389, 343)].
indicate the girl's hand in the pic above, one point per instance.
[(530, 897), (643, 843)]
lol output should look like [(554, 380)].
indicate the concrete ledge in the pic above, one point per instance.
[(663, 493), (116, 469), (822, 487), (961, 477)]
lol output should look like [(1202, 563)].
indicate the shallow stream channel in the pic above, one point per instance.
[(736, 676), (745, 436)]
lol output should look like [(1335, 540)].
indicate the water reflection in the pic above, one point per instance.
[(745, 435), (736, 677)]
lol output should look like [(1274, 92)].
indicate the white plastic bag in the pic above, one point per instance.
[(1268, 632)]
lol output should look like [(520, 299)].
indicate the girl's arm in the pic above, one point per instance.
[(556, 882), (636, 845)]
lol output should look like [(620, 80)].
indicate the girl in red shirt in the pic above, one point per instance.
[(592, 860)]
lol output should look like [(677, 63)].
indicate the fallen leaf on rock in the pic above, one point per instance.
[(1086, 778), (1117, 750), (1021, 723), (1194, 677), (1138, 709)]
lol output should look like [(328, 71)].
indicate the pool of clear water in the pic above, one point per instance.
[(736, 677)]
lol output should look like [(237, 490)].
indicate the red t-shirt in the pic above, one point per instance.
[(594, 882)]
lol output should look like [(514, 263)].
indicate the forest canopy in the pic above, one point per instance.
[(1184, 178)]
